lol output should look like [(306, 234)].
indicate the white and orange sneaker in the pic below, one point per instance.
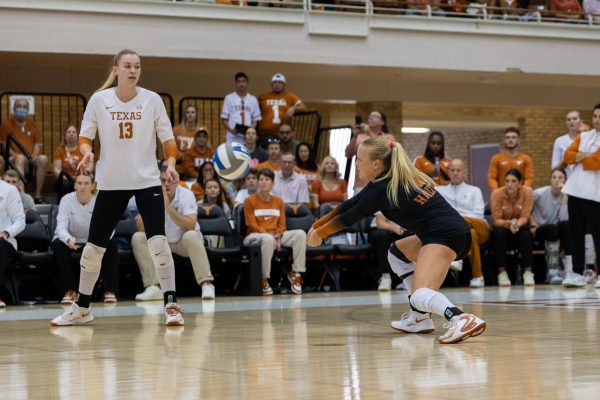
[(173, 315), (266, 288), (68, 298), (295, 282), (411, 322), (462, 327), (75, 315)]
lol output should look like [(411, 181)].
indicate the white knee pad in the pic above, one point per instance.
[(400, 268), (91, 257), (160, 251)]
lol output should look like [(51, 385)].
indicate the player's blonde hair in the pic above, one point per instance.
[(112, 78), (399, 169)]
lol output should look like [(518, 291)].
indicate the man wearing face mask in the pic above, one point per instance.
[(26, 132)]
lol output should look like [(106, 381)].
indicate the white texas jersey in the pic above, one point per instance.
[(128, 134)]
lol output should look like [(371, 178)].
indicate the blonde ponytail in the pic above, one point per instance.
[(400, 171), (112, 79)]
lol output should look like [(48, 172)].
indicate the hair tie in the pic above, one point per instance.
[(392, 145)]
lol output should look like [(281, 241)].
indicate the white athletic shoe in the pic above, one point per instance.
[(208, 291), (462, 327), (410, 323), (385, 283), (597, 285), (528, 278), (75, 315), (477, 282), (456, 265), (503, 279), (173, 315), (150, 293), (554, 277), (573, 280)]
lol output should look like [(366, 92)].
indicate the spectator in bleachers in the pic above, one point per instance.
[(434, 162), (468, 201), (290, 185), (27, 133), (508, 9), (592, 7), (197, 155), (183, 234), (329, 187), (71, 235), (12, 177), (257, 153), (276, 107), (274, 152), (207, 171), (66, 159), (265, 218), (419, 7), (583, 189), (213, 194), (305, 163), (240, 111), (550, 223), (186, 130), (376, 127), (562, 143), (286, 139), (509, 159), (12, 222), (511, 209), (475, 8), (566, 9), (250, 187)]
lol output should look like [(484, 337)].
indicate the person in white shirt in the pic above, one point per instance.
[(563, 142), (71, 234), (468, 201), (290, 185), (128, 120), (185, 239), (12, 222), (250, 187), (240, 110), (11, 176), (583, 190)]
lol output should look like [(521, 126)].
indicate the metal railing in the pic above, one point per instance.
[(209, 115), (306, 127)]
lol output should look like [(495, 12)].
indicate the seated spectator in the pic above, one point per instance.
[(207, 171), (508, 9), (240, 111), (329, 187), (287, 143), (468, 201), (66, 159), (305, 163), (592, 7), (534, 8), (290, 185), (12, 177), (257, 153), (197, 155), (27, 133), (186, 130), (550, 223), (250, 187), (265, 218), (509, 159), (475, 8), (214, 195), (71, 235), (274, 153), (12, 222), (184, 237), (419, 7), (511, 208), (434, 161), (455, 6), (566, 9), (385, 233), (276, 107)]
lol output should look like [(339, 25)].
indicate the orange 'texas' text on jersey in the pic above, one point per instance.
[(126, 116), (264, 216), (273, 108), (427, 193)]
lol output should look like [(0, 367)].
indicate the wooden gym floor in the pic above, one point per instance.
[(540, 343)]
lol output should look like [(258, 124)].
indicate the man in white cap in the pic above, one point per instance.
[(276, 107)]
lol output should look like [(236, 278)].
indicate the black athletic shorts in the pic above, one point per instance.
[(460, 243)]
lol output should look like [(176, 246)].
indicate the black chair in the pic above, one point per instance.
[(124, 230), (45, 211), (212, 221)]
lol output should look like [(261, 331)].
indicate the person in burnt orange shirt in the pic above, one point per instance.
[(185, 132), (509, 159), (26, 132), (434, 162), (66, 158), (276, 107), (196, 156)]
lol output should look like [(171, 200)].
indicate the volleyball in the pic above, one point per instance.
[(232, 160)]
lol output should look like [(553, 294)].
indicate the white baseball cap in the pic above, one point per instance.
[(278, 77)]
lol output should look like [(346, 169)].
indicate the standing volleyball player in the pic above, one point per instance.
[(407, 197), (128, 120)]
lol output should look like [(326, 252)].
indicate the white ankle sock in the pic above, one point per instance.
[(428, 300)]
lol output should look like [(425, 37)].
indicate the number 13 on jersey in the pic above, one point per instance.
[(125, 130)]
